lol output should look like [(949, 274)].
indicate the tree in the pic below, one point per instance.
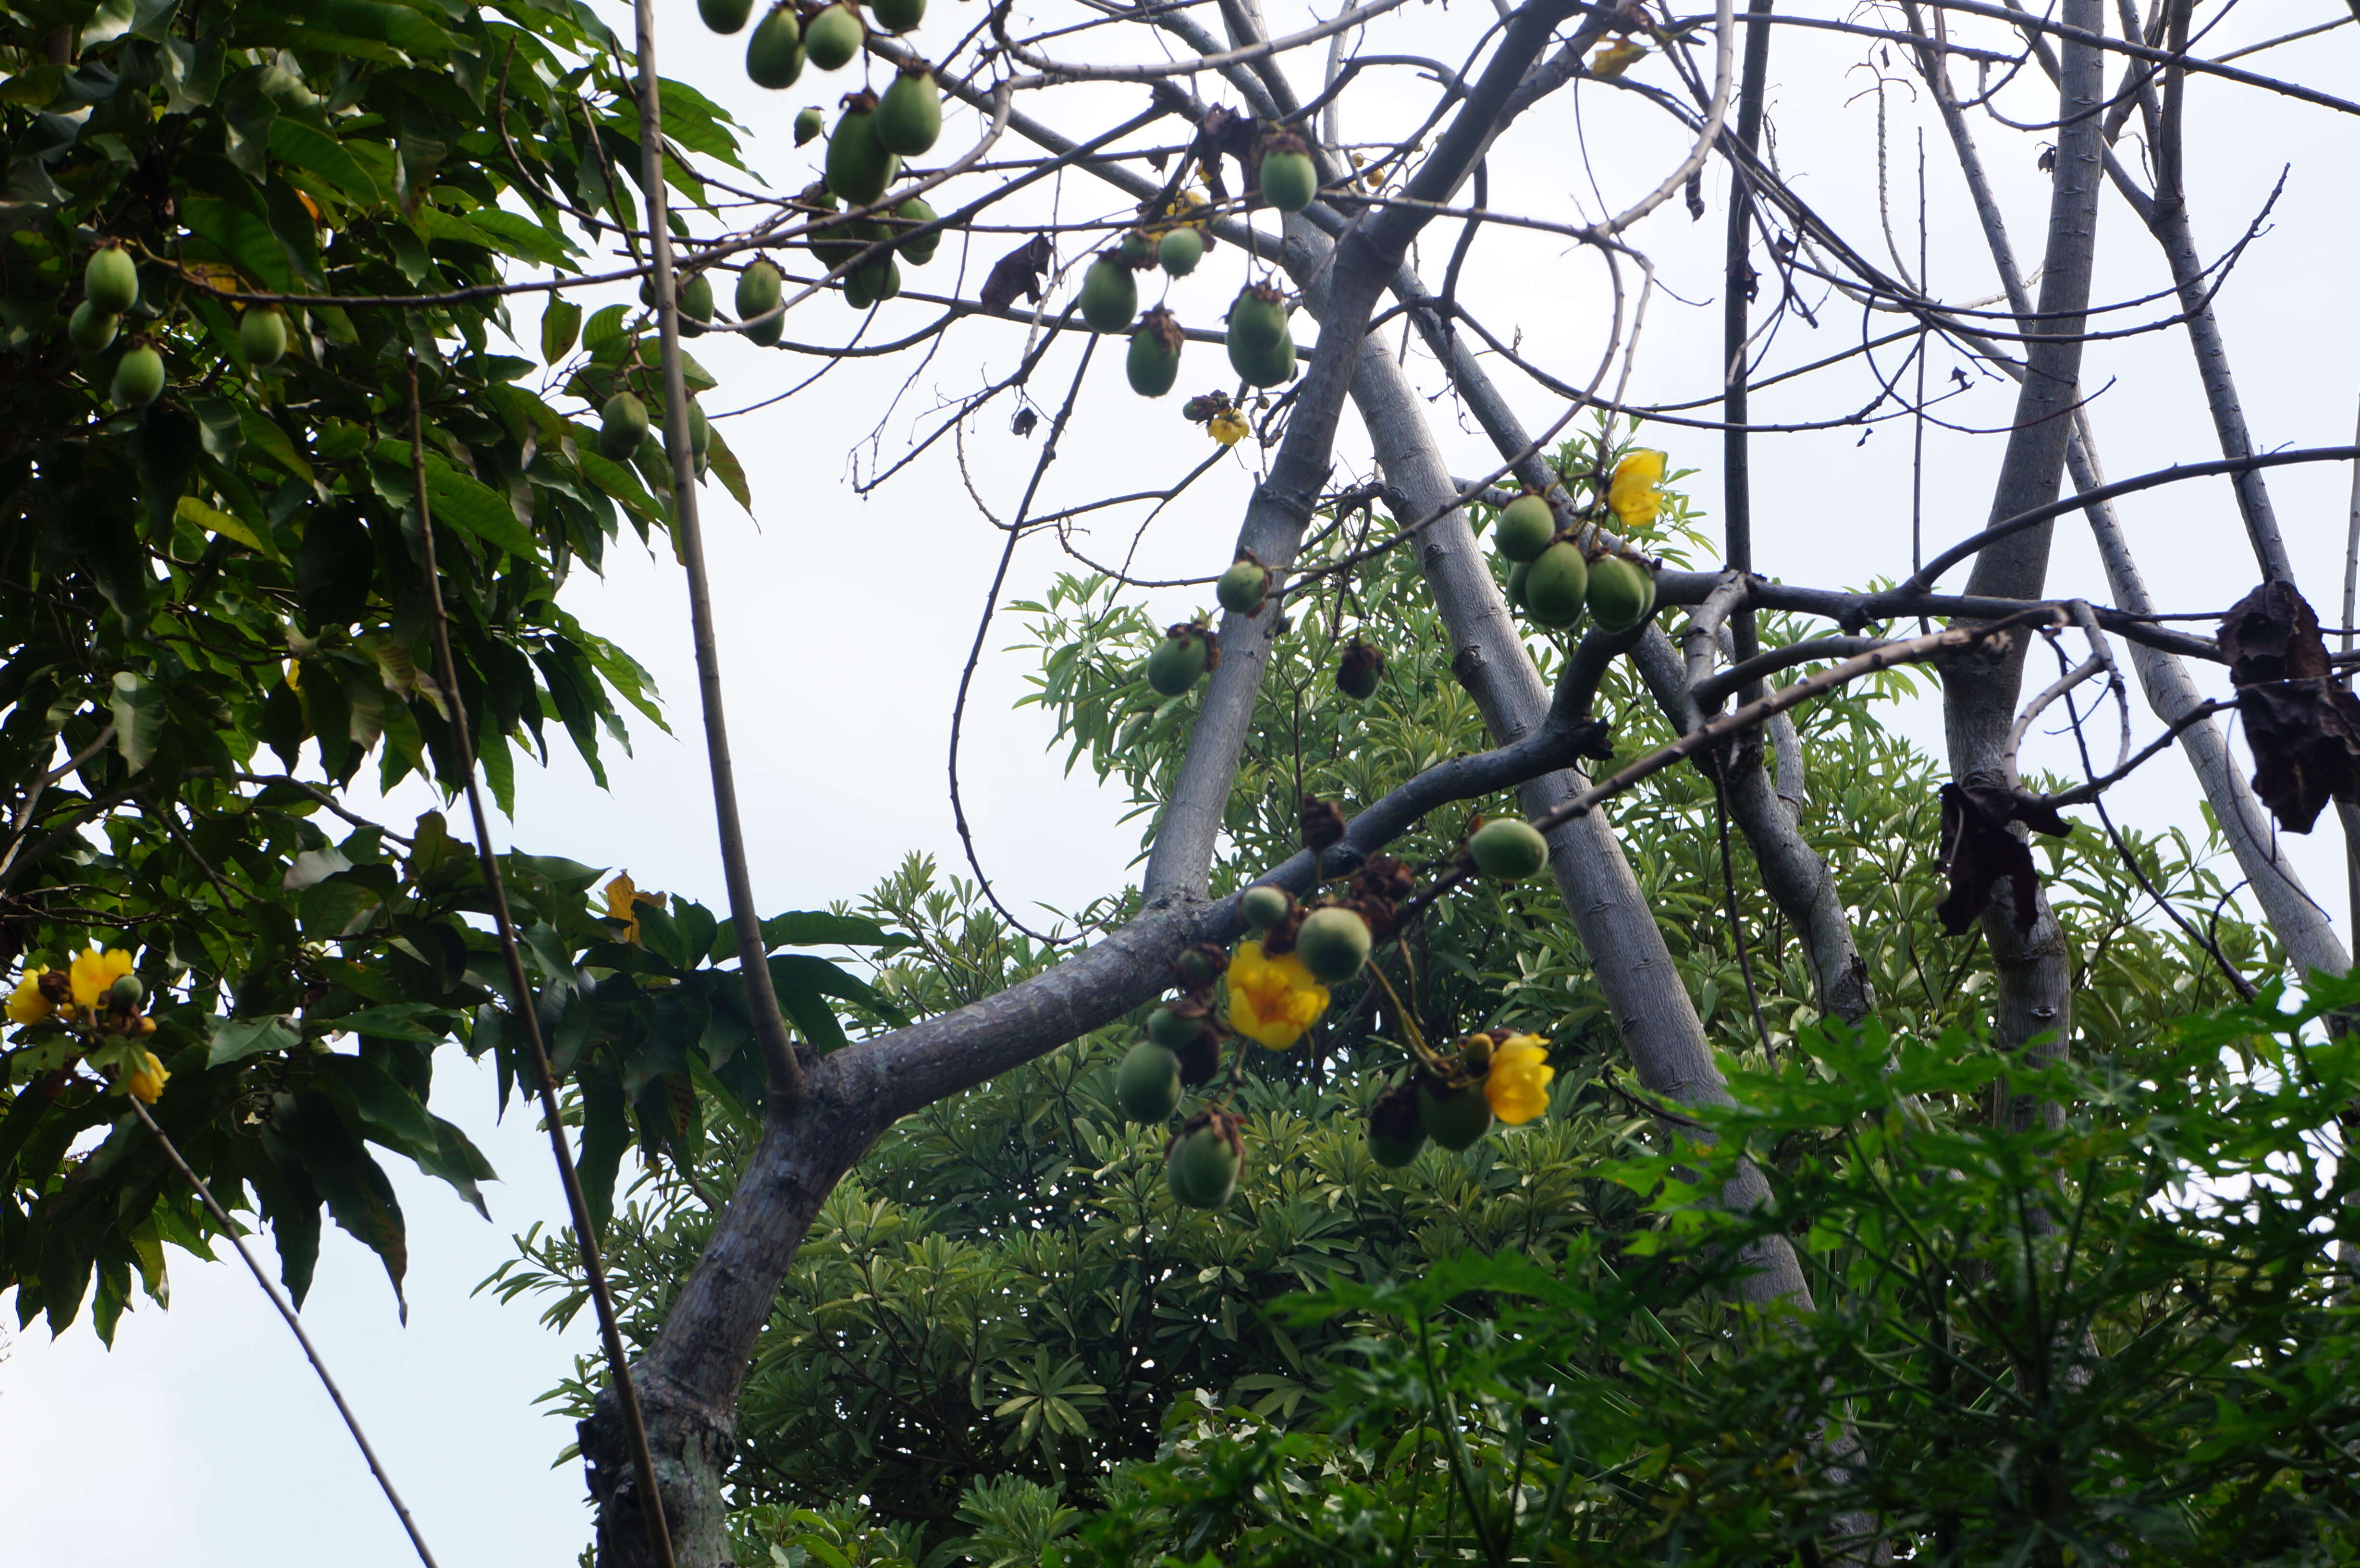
[(560, 133)]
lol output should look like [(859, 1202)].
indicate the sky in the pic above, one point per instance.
[(844, 620)]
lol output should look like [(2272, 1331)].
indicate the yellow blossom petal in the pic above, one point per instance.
[(1518, 1084), (1632, 492), (622, 901), (1273, 1000), (26, 1003), (1227, 427), (1616, 57), (147, 1084), (93, 972)]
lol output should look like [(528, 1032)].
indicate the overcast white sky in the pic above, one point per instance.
[(201, 1439)]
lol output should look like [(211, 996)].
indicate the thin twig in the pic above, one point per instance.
[(528, 1017), (294, 1326)]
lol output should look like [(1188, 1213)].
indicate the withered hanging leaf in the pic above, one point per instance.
[(1322, 824), (1979, 852), (2303, 729), (1017, 274)]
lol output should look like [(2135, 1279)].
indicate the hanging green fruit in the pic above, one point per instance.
[(1262, 907), (1180, 251), (1147, 1084), (1244, 586), (872, 282), (700, 432), (1137, 250), (262, 333), (760, 291), (898, 15), (90, 329), (111, 280), (1622, 592), (1183, 655), (1110, 295), (138, 378), (1289, 178), (909, 115), (834, 38), (917, 249), (1396, 1131), (622, 426), (1362, 667), (1154, 360), (1456, 1118), (696, 303), (774, 55), (1509, 848), (1555, 589), (1177, 1026), (1520, 578), (1333, 944), (1526, 526), (1261, 351), (1201, 1166), (859, 167), (725, 15), (808, 124)]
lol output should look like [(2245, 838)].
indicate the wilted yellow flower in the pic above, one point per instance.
[(1518, 1084), (26, 1003), (1229, 426), (93, 972), (1273, 1000), (1617, 57), (622, 904), (1632, 492), (147, 1084)]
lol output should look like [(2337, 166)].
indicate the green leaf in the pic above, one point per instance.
[(139, 707), (359, 1197), (561, 323), (605, 1133), (818, 928), (308, 148), (192, 510), (235, 1039), (462, 501)]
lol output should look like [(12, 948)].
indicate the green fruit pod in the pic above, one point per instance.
[(1526, 526), (859, 168), (1333, 944), (1555, 589), (262, 333), (1455, 1118), (696, 303), (898, 15), (622, 426), (1257, 317), (909, 115), (1147, 1084), (834, 37), (138, 378), (1137, 250), (1174, 1031), (1519, 578), (808, 124), (1179, 660), (1262, 906), (1622, 592), (918, 249), (700, 432), (90, 329), (1396, 1131), (111, 280), (1180, 251), (1289, 181), (774, 55), (1243, 587), (1153, 363), (126, 992), (725, 15), (1202, 1166), (1509, 848), (760, 290), (1271, 365), (1110, 295)]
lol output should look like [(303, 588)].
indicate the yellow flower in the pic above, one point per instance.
[(93, 972), (1632, 492), (1227, 427), (26, 1003), (1273, 1000), (146, 1084), (623, 898), (1616, 57), (1518, 1084)]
